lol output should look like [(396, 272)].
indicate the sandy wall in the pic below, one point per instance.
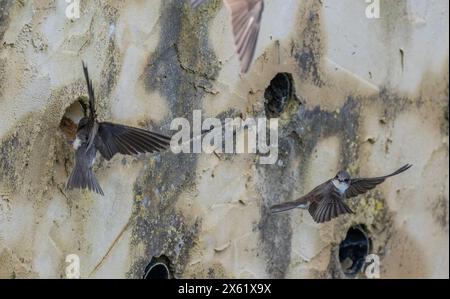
[(367, 95)]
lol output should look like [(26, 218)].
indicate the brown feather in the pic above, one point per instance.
[(362, 185)]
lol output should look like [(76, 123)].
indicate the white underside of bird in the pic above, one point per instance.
[(341, 186), (76, 143)]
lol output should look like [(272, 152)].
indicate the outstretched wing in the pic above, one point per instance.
[(329, 206), (246, 22), (92, 113), (283, 207), (114, 138), (197, 3), (315, 195), (362, 185)]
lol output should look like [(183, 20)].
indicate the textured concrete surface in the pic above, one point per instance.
[(368, 95)]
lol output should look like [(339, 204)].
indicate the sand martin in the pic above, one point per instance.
[(246, 21), (326, 201), (109, 139)]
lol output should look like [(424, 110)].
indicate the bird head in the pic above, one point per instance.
[(343, 177)]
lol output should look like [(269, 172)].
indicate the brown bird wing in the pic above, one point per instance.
[(246, 22), (91, 94), (314, 195), (362, 185), (329, 205), (283, 207), (197, 3), (114, 138), (92, 113)]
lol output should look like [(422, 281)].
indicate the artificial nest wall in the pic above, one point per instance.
[(363, 94)]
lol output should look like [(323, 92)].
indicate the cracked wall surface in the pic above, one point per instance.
[(369, 96)]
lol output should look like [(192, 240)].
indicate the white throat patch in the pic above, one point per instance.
[(76, 143), (341, 186)]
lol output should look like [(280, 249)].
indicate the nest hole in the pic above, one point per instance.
[(72, 115), (354, 249), (158, 268), (280, 95)]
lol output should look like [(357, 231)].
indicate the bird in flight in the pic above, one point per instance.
[(246, 22), (109, 139), (326, 201)]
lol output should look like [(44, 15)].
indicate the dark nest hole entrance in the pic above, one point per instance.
[(158, 268), (280, 96), (354, 249)]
